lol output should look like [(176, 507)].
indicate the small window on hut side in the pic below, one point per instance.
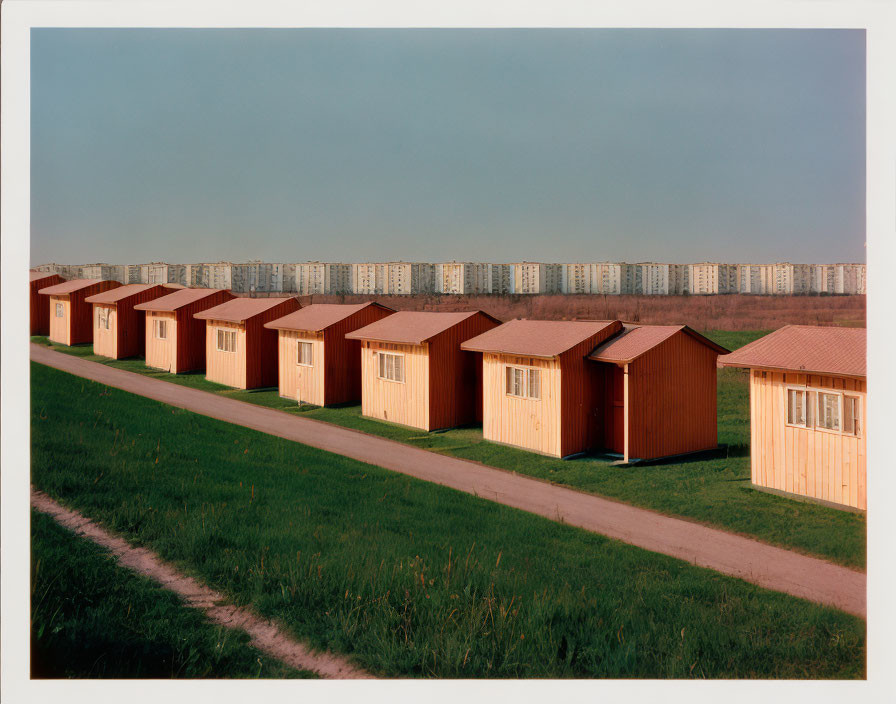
[(522, 382), (391, 366), (102, 318), (797, 405), (828, 411), (851, 412), (161, 329), (60, 310), (226, 340), (303, 354)]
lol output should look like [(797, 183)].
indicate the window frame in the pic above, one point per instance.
[(812, 414), (60, 309), (299, 347), (526, 384), (157, 324), (225, 332), (383, 353), (102, 321)]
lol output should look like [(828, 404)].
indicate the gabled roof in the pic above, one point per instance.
[(540, 338), (636, 340), (239, 310), (70, 286), (412, 327), (807, 349), (114, 295), (180, 298), (319, 316), (37, 275)]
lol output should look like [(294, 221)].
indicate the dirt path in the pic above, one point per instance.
[(266, 636), (751, 560)]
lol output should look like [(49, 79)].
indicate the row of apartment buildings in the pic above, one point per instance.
[(407, 278)]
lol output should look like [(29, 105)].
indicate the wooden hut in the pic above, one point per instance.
[(539, 390), (660, 391), (71, 319), (414, 372), (40, 310), (807, 412), (317, 364), (175, 340), (239, 350), (118, 326)]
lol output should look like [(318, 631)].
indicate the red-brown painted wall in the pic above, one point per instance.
[(261, 345), (40, 305), (191, 332), (342, 357)]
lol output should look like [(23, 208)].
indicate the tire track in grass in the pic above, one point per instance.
[(266, 635)]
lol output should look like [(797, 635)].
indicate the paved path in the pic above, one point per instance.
[(759, 563), (265, 635)]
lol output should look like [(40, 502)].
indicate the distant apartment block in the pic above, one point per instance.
[(393, 278), (653, 279), (536, 277), (707, 278), (256, 277), (469, 278), (322, 278)]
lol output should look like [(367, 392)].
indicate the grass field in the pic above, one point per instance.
[(92, 618), (411, 578), (715, 492)]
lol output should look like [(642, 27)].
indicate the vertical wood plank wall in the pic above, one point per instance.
[(672, 399), (297, 381), (261, 345), (228, 368), (59, 327), (455, 376), (105, 341), (39, 306), (582, 391), (342, 371), (161, 354), (406, 403), (189, 333), (522, 422), (820, 464)]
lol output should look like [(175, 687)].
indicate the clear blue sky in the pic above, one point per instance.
[(484, 145)]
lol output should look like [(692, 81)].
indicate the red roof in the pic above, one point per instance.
[(114, 295), (805, 348), (319, 316), (180, 298), (37, 275), (239, 310), (540, 338), (412, 327), (70, 286), (636, 340)]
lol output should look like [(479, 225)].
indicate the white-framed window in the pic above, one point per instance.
[(60, 310), (102, 318), (304, 354), (226, 340), (390, 366), (830, 410), (522, 382), (160, 329)]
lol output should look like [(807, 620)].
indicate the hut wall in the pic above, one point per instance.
[(404, 402), (39, 306), (297, 381), (821, 464), (162, 353), (228, 368), (105, 340)]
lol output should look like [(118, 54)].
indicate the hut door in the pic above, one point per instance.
[(616, 438)]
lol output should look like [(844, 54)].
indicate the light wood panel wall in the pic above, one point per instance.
[(298, 382), (59, 327), (105, 341), (821, 464), (527, 423), (228, 368), (406, 403), (162, 354)]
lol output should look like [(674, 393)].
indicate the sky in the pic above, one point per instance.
[(432, 145)]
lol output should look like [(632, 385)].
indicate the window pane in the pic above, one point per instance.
[(829, 411), (382, 361), (851, 415), (534, 384), (508, 380), (796, 407), (399, 368)]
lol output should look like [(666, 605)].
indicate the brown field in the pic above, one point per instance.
[(727, 312)]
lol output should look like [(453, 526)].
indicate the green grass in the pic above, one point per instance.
[(411, 578), (93, 618), (715, 492)]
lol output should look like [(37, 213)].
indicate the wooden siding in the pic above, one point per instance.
[(405, 402), (820, 464), (254, 363), (528, 423), (105, 340), (455, 376), (39, 306), (582, 390), (76, 327), (296, 381), (672, 399), (189, 333), (162, 354), (342, 360), (228, 368)]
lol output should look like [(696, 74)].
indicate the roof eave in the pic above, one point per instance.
[(791, 370)]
